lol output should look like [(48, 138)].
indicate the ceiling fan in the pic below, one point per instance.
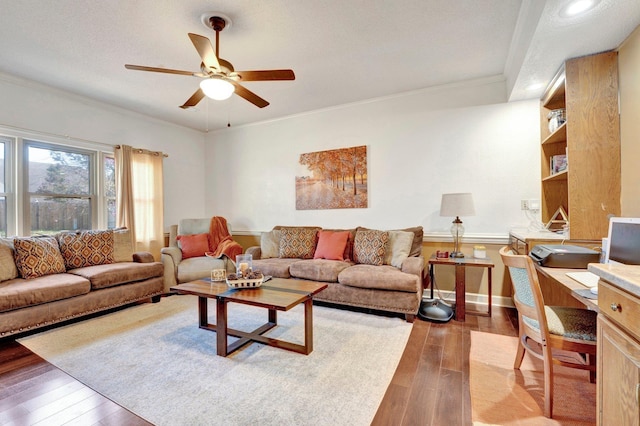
[(219, 79)]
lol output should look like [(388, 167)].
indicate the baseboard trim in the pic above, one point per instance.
[(475, 298)]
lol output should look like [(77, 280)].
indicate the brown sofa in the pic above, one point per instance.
[(394, 284), (99, 271)]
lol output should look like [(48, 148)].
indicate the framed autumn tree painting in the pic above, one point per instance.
[(334, 179)]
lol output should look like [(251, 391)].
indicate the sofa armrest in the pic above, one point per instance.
[(174, 252), (171, 258), (143, 257), (414, 265), (255, 252)]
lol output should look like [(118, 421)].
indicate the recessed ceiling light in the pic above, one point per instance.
[(577, 7)]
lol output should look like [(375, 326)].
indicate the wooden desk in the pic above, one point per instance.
[(559, 289), (461, 264)]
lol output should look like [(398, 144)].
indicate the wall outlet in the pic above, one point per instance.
[(524, 204), (534, 205)]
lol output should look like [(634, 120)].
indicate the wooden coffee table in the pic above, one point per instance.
[(275, 295)]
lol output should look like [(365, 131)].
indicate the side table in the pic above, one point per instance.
[(461, 263)]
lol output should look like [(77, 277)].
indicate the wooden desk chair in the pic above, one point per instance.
[(551, 327)]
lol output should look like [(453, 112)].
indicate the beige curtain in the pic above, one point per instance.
[(140, 197)]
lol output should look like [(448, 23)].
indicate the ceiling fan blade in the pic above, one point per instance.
[(154, 69), (266, 75), (194, 99), (249, 95), (205, 50)]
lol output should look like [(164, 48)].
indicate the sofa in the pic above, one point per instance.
[(365, 268), (45, 280), (184, 259)]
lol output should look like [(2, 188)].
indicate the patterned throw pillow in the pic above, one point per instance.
[(39, 256), (86, 248), (369, 246), (298, 242)]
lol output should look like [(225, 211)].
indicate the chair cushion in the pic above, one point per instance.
[(574, 323)]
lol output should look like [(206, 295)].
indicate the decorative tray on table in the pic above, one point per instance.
[(250, 280)]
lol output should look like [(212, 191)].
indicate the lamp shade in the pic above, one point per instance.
[(217, 88), (459, 204)]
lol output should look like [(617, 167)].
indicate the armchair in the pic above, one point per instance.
[(178, 269)]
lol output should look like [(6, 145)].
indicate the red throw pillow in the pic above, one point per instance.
[(331, 245), (193, 245)]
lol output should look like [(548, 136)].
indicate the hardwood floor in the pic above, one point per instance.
[(430, 386)]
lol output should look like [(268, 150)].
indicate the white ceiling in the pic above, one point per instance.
[(342, 51)]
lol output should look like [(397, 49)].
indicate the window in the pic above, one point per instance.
[(109, 176), (5, 144), (61, 193), (53, 184)]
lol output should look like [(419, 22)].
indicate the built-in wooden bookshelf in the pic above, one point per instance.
[(589, 189)]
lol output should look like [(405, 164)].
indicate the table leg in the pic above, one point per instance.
[(203, 311), (489, 309), (460, 293), (221, 326), (308, 326)]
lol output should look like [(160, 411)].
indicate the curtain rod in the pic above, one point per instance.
[(144, 151)]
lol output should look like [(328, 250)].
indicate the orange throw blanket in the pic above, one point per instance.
[(220, 241)]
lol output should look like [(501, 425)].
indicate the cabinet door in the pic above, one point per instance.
[(618, 376)]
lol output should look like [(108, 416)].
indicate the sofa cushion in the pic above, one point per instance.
[(86, 248), (122, 245), (8, 269), (318, 269), (398, 248), (102, 276), (38, 256), (276, 267), (298, 242), (369, 246), (383, 277), (20, 293), (331, 245), (270, 244), (195, 245)]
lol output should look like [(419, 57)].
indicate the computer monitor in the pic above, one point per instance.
[(623, 242)]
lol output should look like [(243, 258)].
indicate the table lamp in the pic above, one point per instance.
[(458, 204)]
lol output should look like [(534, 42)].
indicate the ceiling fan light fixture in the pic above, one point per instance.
[(217, 88)]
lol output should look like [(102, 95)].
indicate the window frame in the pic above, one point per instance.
[(16, 179)]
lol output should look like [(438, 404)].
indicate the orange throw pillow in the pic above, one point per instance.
[(193, 245), (331, 245)]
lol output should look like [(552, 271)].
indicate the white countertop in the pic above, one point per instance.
[(626, 277)]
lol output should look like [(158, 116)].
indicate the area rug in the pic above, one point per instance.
[(155, 361), (501, 395)]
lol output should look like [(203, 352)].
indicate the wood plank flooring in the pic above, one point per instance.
[(430, 386)]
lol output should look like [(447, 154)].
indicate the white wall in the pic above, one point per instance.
[(459, 138), (30, 106)]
